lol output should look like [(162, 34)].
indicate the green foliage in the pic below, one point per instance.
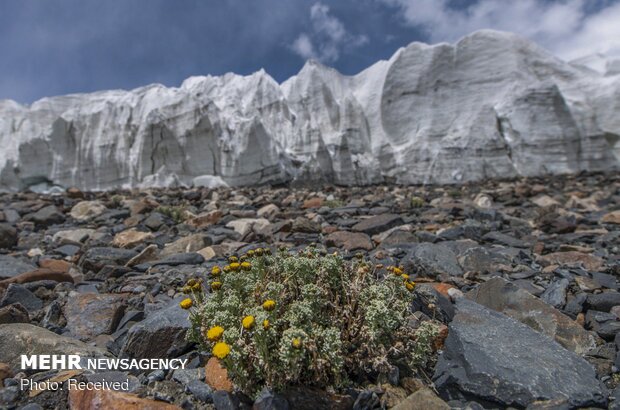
[(417, 202), (176, 213), (333, 320), (334, 203)]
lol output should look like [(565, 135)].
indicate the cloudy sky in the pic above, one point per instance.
[(51, 47)]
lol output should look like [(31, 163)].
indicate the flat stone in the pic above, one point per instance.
[(572, 258), (432, 259), (555, 294), (611, 218), (500, 238), (349, 241), (423, 399), (18, 339), (10, 266), (505, 297), (87, 210), (73, 236), (501, 361), (160, 335), (49, 215), (96, 258), (181, 259), (206, 219), (8, 236), (130, 238), (604, 301), (16, 293), (378, 224), (191, 243), (109, 399), (91, 314), (268, 211), (482, 260), (243, 226), (148, 254)]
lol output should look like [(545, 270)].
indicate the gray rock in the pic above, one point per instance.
[(498, 360), (555, 294), (18, 339), (17, 293), (480, 259), (90, 314), (432, 259), (10, 266), (185, 376), (49, 215), (505, 297), (269, 400), (603, 301), (191, 258), (201, 391), (15, 313), (504, 239), (378, 224), (8, 236), (160, 335), (96, 258)]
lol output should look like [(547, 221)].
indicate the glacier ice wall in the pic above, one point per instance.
[(491, 105)]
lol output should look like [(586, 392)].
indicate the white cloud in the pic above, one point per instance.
[(563, 27), (328, 37)]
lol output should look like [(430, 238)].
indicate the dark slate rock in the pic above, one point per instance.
[(155, 221), (10, 267), (497, 360), (269, 400), (555, 294), (160, 335), (426, 295), (8, 236), (49, 215), (201, 391), (378, 224), (190, 258), (17, 293), (96, 258), (606, 280), (575, 306), (506, 240), (604, 301), (67, 250), (432, 259), (480, 259)]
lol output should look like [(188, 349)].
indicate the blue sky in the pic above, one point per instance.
[(52, 47)]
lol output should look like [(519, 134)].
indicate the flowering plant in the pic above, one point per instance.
[(307, 318)]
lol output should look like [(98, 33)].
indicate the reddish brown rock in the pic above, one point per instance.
[(350, 241), (206, 219), (110, 399), (313, 203), (216, 376), (573, 258)]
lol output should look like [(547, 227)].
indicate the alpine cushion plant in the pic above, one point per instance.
[(307, 318)]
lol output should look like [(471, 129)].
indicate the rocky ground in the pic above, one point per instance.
[(524, 274)]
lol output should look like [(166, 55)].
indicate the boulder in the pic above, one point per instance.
[(505, 297), (499, 361), (87, 210)]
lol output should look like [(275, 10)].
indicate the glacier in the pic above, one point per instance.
[(492, 105)]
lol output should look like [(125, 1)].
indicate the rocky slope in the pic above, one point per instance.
[(523, 276), (491, 105)]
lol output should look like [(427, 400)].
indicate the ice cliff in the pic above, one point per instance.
[(491, 105)]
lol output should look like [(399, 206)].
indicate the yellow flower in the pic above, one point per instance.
[(258, 251), (191, 283), (246, 266), (186, 303), (269, 305), (215, 333), (265, 324), (397, 271), (216, 271), (234, 266), (232, 259), (186, 289), (217, 285), (248, 322), (296, 343), (196, 286), (250, 253), (405, 277), (221, 350), (410, 285), (227, 268)]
